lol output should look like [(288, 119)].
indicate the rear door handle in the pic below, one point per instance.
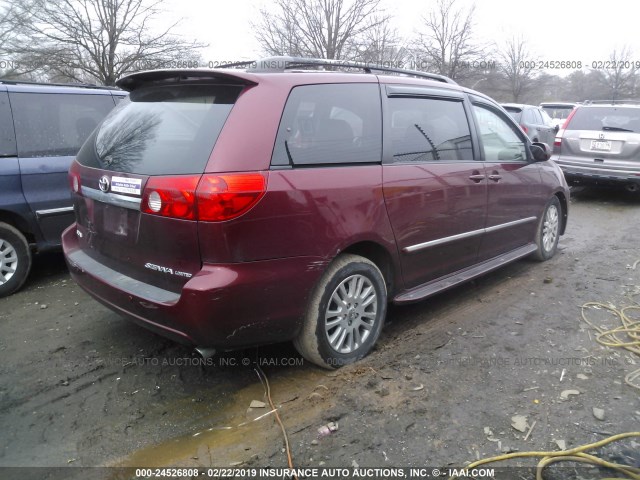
[(477, 177), (495, 177)]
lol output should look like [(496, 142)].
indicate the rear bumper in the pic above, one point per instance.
[(598, 174), (222, 306)]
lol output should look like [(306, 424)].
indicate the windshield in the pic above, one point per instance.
[(161, 130)]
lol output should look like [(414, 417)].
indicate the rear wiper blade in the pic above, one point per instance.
[(616, 129)]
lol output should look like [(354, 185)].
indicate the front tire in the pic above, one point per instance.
[(345, 314), (548, 232), (15, 259)]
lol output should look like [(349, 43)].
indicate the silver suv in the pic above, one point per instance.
[(600, 143)]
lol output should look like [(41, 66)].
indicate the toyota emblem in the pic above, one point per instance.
[(103, 183)]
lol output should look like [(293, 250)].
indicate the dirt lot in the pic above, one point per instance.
[(79, 386)]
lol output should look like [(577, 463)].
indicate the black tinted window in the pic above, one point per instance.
[(330, 124), (52, 124), (162, 130), (425, 129), (7, 136), (603, 118)]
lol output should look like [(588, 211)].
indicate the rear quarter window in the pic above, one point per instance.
[(330, 124), (56, 124), (161, 130)]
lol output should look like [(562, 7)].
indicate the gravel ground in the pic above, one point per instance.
[(81, 387)]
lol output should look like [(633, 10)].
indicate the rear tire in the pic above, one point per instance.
[(548, 232), (345, 314), (15, 259)]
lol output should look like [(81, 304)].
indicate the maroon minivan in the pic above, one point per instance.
[(227, 208)]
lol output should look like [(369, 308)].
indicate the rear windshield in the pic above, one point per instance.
[(557, 113), (606, 118), (161, 130), (515, 113)]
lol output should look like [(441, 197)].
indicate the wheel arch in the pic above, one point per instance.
[(564, 204), (379, 255), (18, 222)]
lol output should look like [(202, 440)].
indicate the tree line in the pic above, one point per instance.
[(98, 41)]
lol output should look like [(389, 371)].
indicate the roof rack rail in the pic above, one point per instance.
[(282, 63), (4, 81), (612, 102)]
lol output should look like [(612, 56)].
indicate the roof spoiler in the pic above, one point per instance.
[(173, 76)]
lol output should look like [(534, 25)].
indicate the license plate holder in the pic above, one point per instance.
[(116, 221)]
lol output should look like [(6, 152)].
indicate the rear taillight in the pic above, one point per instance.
[(524, 129), (557, 142), (74, 177), (223, 197), (211, 198), (171, 196)]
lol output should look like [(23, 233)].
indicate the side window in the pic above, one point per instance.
[(330, 124), (538, 117), (500, 141), (428, 129), (50, 124), (528, 117), (7, 135)]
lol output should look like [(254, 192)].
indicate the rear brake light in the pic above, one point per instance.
[(223, 197), (74, 177), (171, 196), (524, 129), (557, 142), (211, 198)]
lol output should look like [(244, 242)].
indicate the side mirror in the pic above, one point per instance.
[(556, 128), (540, 151)]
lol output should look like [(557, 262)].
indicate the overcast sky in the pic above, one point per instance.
[(555, 29)]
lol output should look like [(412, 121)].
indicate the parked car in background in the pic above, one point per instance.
[(600, 144), (41, 129), (227, 208), (558, 111), (533, 121)]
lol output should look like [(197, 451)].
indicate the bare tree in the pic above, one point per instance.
[(447, 47), (381, 45), (517, 65), (332, 29), (619, 74), (96, 40), (5, 27)]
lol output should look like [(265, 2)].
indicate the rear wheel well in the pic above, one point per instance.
[(18, 222), (378, 255)]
